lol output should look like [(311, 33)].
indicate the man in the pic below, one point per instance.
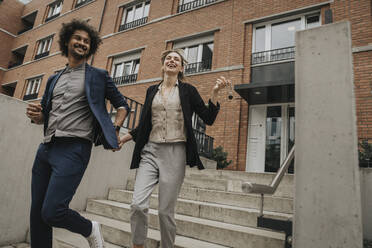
[(74, 115)]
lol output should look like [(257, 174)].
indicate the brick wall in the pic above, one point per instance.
[(232, 47)]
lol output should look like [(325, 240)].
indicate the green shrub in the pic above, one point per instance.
[(365, 154), (220, 157)]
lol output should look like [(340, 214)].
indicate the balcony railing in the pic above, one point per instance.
[(273, 55), (25, 29), (30, 97), (125, 79), (82, 3), (38, 56), (204, 143), (133, 24), (133, 116), (205, 65), (51, 17), (193, 5), (11, 65)]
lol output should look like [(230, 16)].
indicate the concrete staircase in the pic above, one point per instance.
[(212, 212)]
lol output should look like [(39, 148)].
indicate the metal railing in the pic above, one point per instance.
[(133, 116), (51, 17), (82, 3), (30, 97), (193, 5), (125, 79), (205, 65), (38, 56), (11, 65), (273, 55), (133, 24), (204, 143), (262, 189), (25, 29)]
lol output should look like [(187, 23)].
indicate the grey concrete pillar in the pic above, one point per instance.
[(327, 186)]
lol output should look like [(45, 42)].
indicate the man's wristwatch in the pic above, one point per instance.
[(117, 128)]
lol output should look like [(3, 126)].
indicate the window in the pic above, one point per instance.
[(125, 68), (81, 2), (134, 16), (28, 22), (44, 47), (17, 58), (275, 41), (32, 90), (185, 5), (198, 53), (54, 10)]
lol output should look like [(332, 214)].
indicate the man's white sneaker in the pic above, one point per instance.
[(95, 239)]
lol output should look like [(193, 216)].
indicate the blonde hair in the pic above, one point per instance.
[(180, 52)]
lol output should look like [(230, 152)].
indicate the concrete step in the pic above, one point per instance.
[(197, 228), (255, 177), (232, 185), (211, 211), (231, 181), (271, 203), (118, 232), (67, 239), (18, 245)]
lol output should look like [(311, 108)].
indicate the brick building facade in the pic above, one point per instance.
[(249, 41)]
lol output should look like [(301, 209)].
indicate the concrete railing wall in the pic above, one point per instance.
[(19, 140)]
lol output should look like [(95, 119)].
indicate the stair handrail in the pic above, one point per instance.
[(263, 189)]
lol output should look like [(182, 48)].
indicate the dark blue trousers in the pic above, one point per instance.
[(57, 171)]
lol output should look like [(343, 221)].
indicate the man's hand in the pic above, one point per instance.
[(118, 138), (33, 111)]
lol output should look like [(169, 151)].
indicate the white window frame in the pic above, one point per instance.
[(199, 41), (33, 85), (55, 8), (44, 45), (124, 59), (134, 7), (269, 24)]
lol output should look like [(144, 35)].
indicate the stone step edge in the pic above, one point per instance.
[(152, 233), (211, 204), (229, 192), (75, 240), (194, 220)]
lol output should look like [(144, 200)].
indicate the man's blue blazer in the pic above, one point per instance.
[(98, 87)]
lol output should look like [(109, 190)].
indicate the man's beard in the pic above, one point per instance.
[(78, 55)]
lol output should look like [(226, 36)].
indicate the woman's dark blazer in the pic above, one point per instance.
[(190, 102)]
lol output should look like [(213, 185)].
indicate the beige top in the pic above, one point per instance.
[(167, 118)]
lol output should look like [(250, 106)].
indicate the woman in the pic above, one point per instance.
[(165, 143)]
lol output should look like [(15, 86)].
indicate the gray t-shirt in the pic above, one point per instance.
[(70, 115)]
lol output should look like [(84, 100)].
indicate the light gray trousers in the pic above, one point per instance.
[(162, 163)]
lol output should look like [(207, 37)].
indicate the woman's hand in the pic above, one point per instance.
[(124, 139), (221, 83)]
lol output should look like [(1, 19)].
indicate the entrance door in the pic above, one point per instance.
[(256, 139), (270, 137)]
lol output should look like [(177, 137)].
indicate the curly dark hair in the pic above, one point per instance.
[(67, 31)]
